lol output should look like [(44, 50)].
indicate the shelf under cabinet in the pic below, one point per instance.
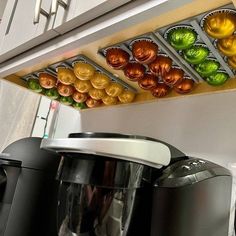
[(190, 9)]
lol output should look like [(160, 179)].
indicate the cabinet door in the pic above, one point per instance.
[(18, 30), (79, 12)]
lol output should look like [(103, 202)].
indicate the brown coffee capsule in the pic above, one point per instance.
[(134, 71), (160, 90), (117, 58), (173, 77), (186, 86), (148, 82), (144, 51)]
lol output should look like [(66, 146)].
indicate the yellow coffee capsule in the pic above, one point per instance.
[(83, 70), (126, 97)]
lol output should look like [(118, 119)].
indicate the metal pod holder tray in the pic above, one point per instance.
[(196, 23), (159, 38), (162, 50), (52, 69)]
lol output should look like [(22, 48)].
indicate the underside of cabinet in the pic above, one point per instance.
[(91, 50)]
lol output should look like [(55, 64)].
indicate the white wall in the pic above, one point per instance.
[(68, 121), (202, 126), (18, 108), (2, 7)]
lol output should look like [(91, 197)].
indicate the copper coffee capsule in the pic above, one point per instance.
[(148, 82), (117, 58), (79, 97), (173, 77), (144, 51), (161, 65), (65, 90), (186, 86), (92, 102), (134, 71), (47, 81), (160, 90)]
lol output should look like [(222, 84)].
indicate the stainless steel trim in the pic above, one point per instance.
[(150, 153), (5, 155), (54, 121), (55, 6), (38, 10), (11, 17)]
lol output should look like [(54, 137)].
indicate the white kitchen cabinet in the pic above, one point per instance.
[(79, 12), (18, 30), (3, 4)]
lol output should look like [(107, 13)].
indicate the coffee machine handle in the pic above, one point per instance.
[(3, 178), (8, 162), (3, 174), (147, 152)]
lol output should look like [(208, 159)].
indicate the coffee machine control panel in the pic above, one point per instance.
[(189, 171), (192, 165), (189, 167)]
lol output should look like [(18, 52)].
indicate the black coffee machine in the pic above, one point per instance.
[(28, 189), (126, 185)]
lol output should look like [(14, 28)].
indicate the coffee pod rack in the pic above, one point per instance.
[(196, 24), (52, 69), (126, 45), (150, 60), (162, 50), (83, 58), (69, 63)]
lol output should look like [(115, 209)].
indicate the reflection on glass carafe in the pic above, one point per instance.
[(94, 211), (232, 220), (106, 207)]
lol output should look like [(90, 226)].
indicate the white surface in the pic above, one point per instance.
[(232, 167), (18, 108), (68, 121), (79, 12), (124, 17), (45, 118), (43, 107), (23, 33), (39, 125), (2, 7), (201, 126), (147, 152)]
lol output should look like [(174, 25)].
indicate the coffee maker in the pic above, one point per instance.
[(28, 189), (128, 185)]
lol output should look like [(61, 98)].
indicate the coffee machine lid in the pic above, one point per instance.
[(138, 149)]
